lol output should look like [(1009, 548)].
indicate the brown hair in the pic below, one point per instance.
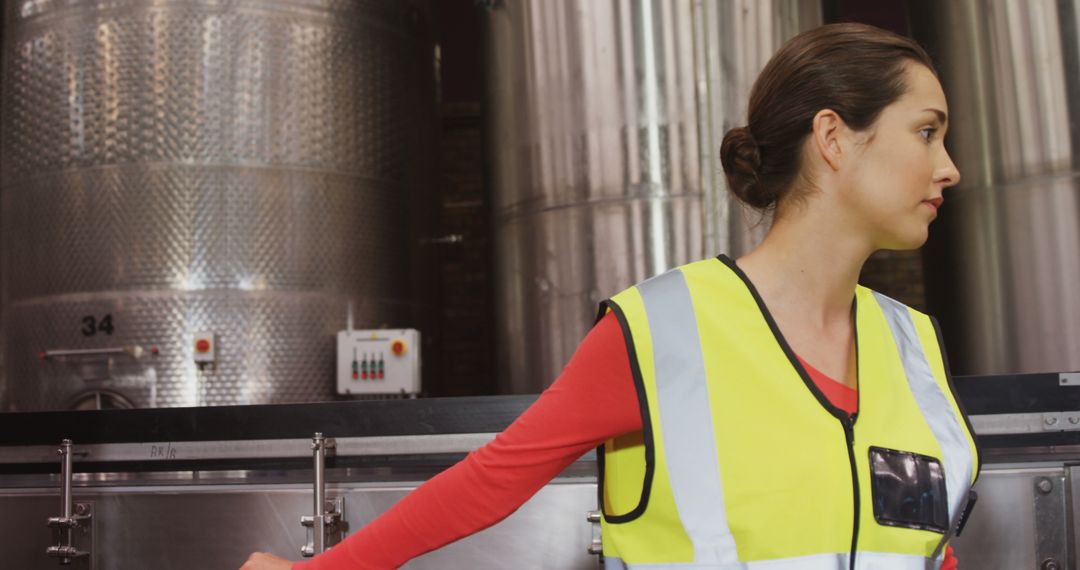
[(854, 69)]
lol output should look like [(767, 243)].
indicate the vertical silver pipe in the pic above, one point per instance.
[(318, 444), (66, 495)]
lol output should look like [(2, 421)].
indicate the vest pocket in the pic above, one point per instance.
[(908, 490)]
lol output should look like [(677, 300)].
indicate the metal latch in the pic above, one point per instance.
[(73, 519), (1061, 421), (596, 546), (325, 527)]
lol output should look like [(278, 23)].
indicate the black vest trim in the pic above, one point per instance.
[(825, 403), (646, 426)]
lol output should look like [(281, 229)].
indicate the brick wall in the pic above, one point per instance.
[(898, 274), (466, 355)]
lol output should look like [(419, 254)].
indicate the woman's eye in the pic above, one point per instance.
[(927, 133)]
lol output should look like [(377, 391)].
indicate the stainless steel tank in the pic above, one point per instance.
[(734, 40), (605, 122), (240, 168), (1004, 259)]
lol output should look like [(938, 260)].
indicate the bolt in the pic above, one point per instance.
[(1045, 486), (1050, 564), (1074, 420), (1051, 421)]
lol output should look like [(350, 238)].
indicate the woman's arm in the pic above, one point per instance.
[(592, 400), (950, 560)]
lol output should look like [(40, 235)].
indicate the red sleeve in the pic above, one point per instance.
[(950, 560), (593, 400)]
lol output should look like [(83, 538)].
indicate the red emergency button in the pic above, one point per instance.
[(398, 347), (202, 346)]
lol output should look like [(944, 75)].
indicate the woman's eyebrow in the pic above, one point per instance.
[(941, 116)]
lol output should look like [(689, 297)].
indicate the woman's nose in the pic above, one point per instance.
[(947, 174)]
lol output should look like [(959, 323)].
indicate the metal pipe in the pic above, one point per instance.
[(65, 476), (65, 550), (65, 494), (133, 351), (318, 444), (164, 451)]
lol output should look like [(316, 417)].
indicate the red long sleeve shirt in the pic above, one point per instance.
[(593, 400)]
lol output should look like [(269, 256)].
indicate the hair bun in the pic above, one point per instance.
[(741, 158)]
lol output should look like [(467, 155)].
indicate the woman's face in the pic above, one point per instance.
[(901, 166)]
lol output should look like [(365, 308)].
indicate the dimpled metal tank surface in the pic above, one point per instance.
[(240, 168)]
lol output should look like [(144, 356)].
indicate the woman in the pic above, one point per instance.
[(765, 410)]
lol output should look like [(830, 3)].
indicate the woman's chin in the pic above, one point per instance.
[(909, 241)]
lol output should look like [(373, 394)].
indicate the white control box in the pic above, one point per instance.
[(204, 347), (381, 361)]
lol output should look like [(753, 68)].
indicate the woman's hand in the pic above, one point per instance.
[(265, 561)]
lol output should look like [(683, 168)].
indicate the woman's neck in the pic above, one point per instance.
[(808, 264)]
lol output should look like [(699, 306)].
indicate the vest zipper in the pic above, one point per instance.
[(849, 431)]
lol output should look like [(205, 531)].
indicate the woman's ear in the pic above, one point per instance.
[(827, 128)]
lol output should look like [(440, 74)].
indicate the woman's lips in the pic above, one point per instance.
[(934, 203)]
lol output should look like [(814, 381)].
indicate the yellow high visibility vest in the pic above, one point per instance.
[(742, 463)]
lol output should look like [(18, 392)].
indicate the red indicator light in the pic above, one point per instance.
[(202, 346)]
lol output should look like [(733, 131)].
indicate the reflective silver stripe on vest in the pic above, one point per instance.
[(893, 561), (934, 405), (686, 422), (813, 562), (613, 563), (838, 561)]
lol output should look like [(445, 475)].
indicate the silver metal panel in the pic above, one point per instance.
[(1011, 230), (599, 162), (1073, 507), (1052, 529), (217, 527), (238, 167), (1001, 424), (1001, 532)]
